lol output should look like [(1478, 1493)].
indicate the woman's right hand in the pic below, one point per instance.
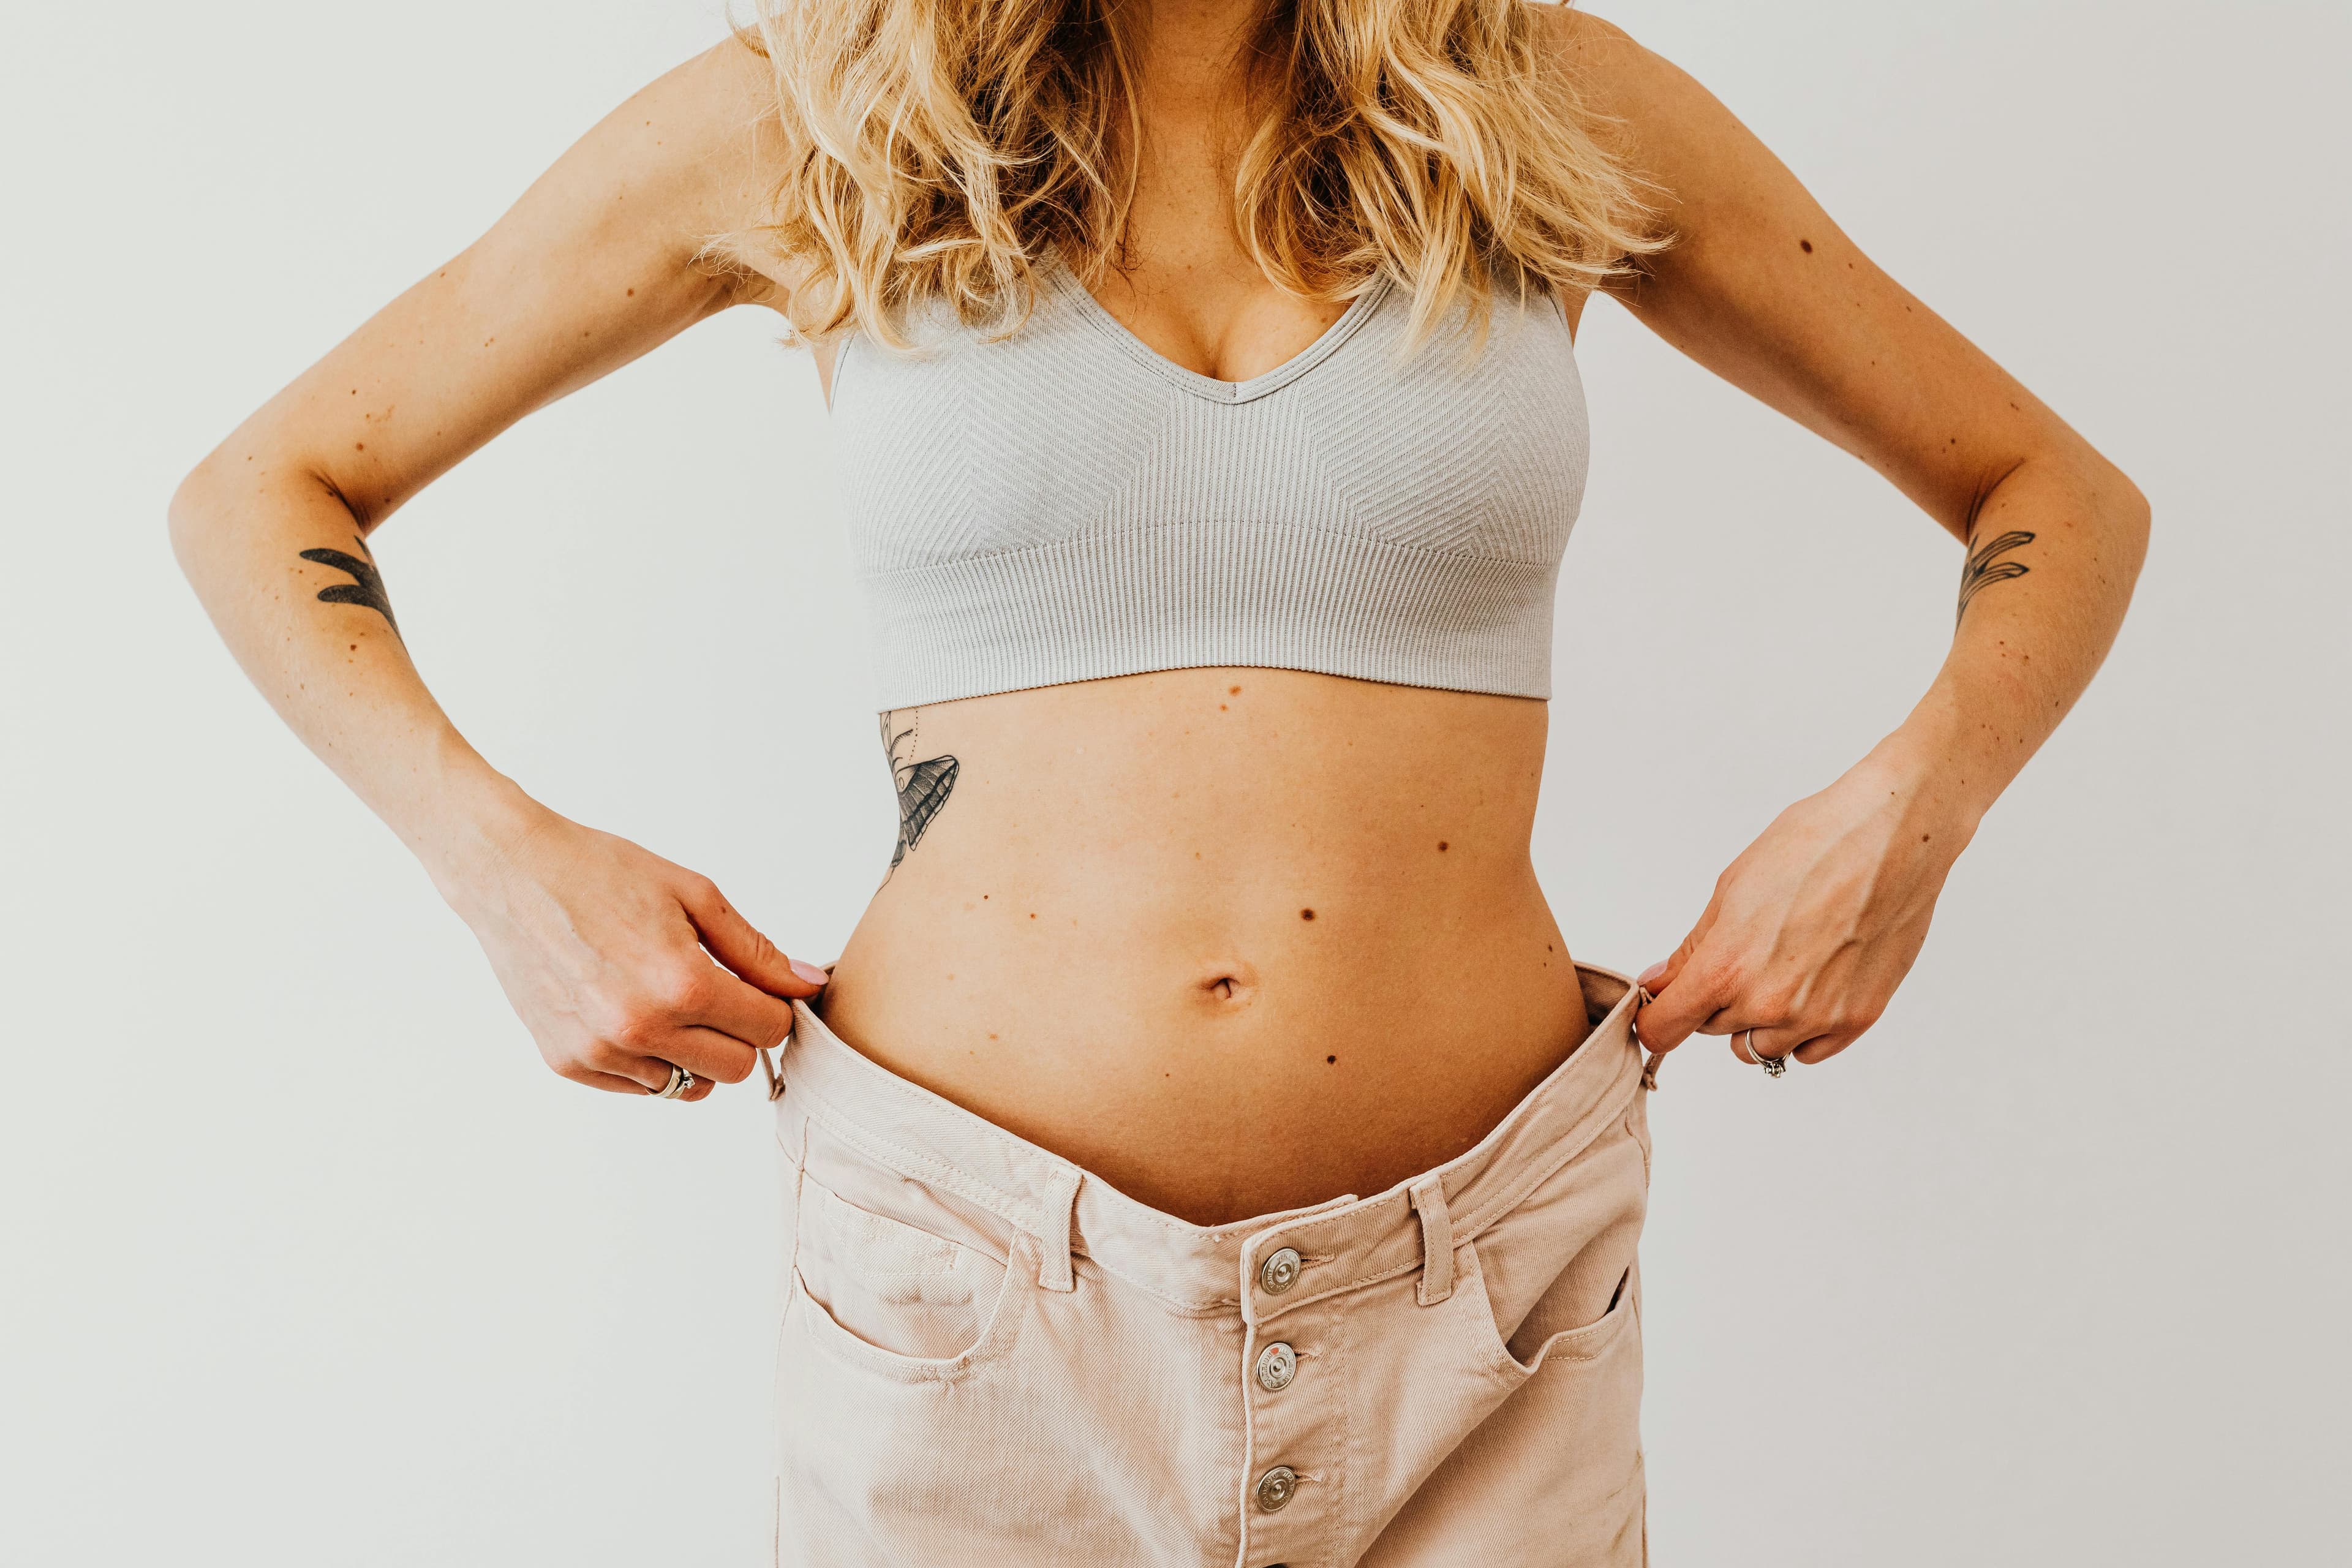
[(606, 950)]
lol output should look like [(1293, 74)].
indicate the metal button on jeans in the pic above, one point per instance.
[(1279, 1272), (1276, 1488), (1277, 1365)]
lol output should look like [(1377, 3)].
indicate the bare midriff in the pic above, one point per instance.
[(1235, 939)]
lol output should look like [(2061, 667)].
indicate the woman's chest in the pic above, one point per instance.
[(1071, 427)]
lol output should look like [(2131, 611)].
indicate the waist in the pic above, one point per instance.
[(1344, 1238)]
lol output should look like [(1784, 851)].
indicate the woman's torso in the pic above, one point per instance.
[(1235, 938)]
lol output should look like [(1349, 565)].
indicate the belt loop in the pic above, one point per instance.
[(1651, 1060), (775, 1070), (1053, 1272), (1428, 1196)]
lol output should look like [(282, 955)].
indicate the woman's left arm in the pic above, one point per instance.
[(1811, 929)]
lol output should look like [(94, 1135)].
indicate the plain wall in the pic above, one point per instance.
[(309, 1259)]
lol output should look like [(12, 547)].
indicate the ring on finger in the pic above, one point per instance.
[(680, 1081), (1773, 1066)]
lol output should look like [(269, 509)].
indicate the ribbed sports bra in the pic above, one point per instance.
[(1067, 503)]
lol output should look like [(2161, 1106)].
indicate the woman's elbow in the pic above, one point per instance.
[(187, 515), (2125, 509)]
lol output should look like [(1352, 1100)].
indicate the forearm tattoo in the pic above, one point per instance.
[(1984, 568), (366, 586), (923, 785)]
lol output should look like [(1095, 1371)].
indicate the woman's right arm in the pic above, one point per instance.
[(604, 948)]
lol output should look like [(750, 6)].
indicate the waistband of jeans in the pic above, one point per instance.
[(1342, 1244)]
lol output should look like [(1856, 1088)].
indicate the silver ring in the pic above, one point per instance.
[(680, 1080), (1773, 1066)]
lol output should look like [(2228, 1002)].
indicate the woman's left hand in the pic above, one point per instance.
[(1815, 924)]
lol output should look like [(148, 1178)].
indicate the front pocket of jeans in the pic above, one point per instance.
[(886, 1291), (1539, 1338), (1584, 1379), (1527, 1354)]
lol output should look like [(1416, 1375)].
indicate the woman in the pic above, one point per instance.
[(1205, 1149)]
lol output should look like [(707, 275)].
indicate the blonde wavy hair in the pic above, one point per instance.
[(935, 148)]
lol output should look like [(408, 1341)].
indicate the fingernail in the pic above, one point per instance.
[(810, 972), (1652, 972)]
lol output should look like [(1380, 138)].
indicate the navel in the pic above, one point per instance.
[(1227, 983)]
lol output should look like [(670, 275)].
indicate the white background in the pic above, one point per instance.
[(307, 1260)]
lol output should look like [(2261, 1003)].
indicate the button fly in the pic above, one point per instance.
[(1279, 1272), (1277, 1365), (1276, 1488)]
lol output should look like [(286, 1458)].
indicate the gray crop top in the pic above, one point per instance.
[(1067, 503)]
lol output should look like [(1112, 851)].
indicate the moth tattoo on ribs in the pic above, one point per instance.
[(364, 589), (1983, 568), (923, 785)]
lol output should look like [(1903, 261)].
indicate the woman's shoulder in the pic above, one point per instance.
[(1571, 28), (695, 153), (1613, 72), (1664, 125)]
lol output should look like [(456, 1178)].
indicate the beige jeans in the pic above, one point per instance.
[(989, 1356)]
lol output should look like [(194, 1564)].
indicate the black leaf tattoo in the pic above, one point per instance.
[(1983, 569), (366, 587), (923, 785)]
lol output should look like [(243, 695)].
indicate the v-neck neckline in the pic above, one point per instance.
[(1358, 309)]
